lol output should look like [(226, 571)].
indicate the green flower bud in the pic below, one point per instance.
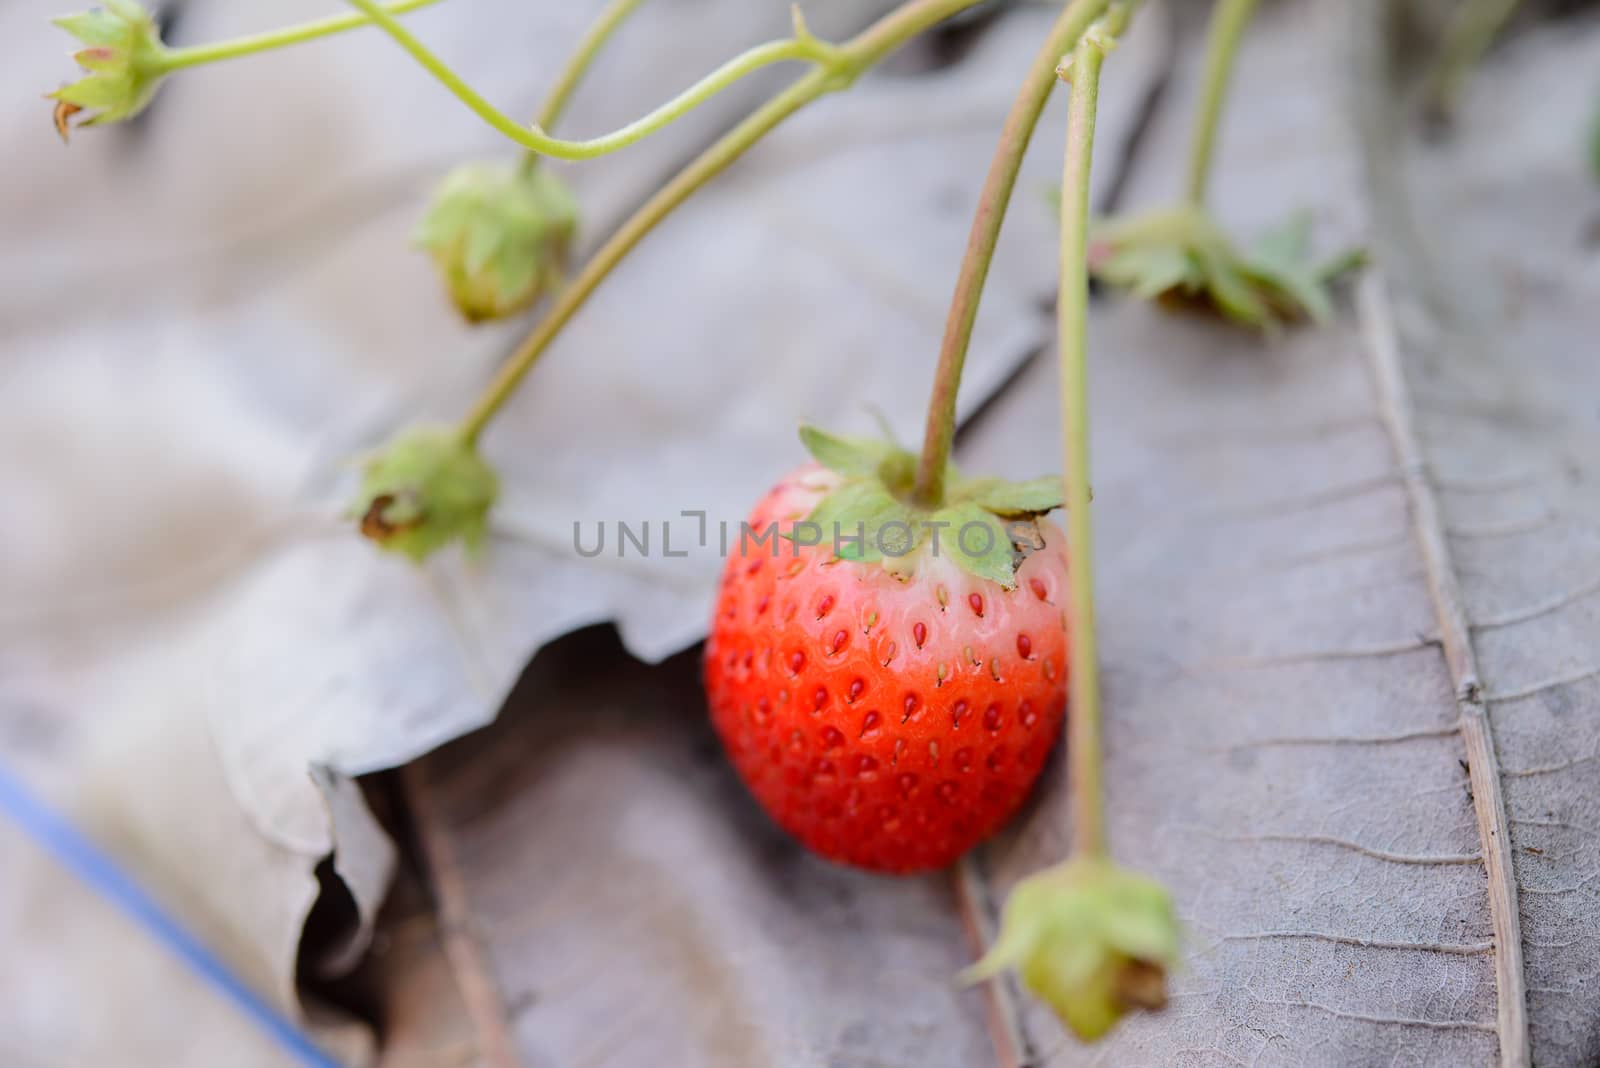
[(125, 60), (500, 236), (1090, 940), (427, 488)]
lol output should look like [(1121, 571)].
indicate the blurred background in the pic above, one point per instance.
[(470, 813)]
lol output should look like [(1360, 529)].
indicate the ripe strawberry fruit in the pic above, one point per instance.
[(890, 702)]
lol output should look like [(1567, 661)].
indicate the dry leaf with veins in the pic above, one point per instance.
[(235, 308), (1311, 551)]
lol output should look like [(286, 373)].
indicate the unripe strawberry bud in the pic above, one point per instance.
[(1090, 940), (426, 488), (125, 60), (500, 236)]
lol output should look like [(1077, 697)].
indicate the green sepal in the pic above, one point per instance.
[(125, 60), (1089, 939), (1012, 500), (970, 526), (98, 27), (851, 457), (426, 488), (1225, 283), (1280, 265), (873, 500), (1181, 253), (1151, 272), (95, 91), (861, 507)]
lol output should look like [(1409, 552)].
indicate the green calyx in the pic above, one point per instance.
[(984, 525), (500, 236), (125, 60), (1181, 254), (427, 488), (1091, 940)]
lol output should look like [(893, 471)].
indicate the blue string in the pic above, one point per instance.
[(81, 857)]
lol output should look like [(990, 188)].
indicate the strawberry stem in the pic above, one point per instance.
[(992, 203), (1083, 741), (1472, 28), (583, 56), (1228, 20), (834, 62), (198, 55), (860, 53)]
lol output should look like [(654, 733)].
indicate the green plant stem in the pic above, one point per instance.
[(583, 56), (1228, 21), (598, 34), (1473, 27), (861, 52), (1083, 742), (802, 47), (992, 202), (1594, 144), (197, 55)]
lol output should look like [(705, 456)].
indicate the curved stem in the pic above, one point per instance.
[(576, 67), (573, 296), (197, 55), (612, 17), (867, 48), (992, 203), (1472, 29), (1083, 742), (1222, 41), (805, 48), (594, 39)]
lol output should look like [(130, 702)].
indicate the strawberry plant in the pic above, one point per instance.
[(891, 667), (890, 700)]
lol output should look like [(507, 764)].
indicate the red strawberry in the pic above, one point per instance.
[(890, 712)]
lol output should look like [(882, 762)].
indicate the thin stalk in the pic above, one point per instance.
[(1473, 27), (992, 203), (610, 19), (1228, 21), (861, 52), (197, 55), (1083, 741), (830, 59), (614, 15)]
